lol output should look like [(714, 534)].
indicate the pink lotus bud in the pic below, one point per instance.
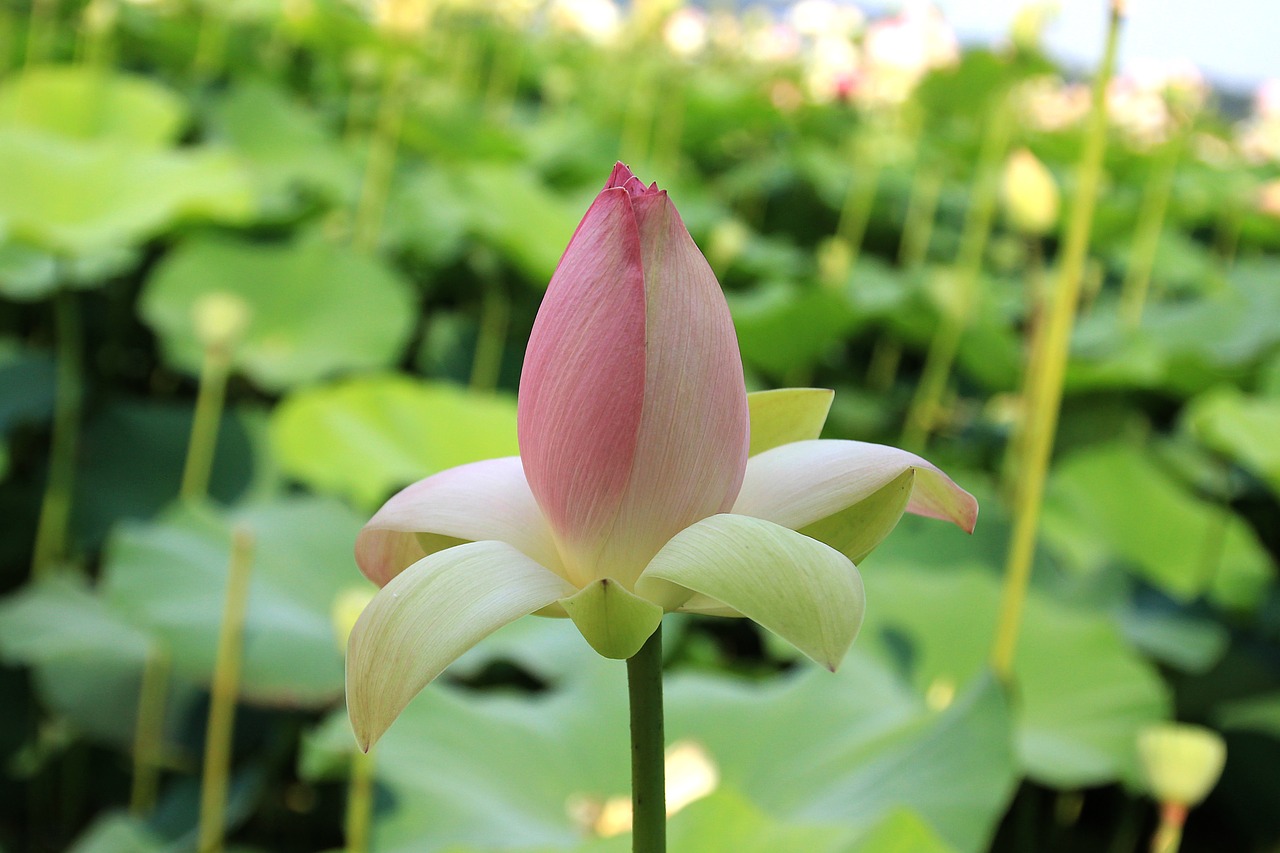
[(633, 418)]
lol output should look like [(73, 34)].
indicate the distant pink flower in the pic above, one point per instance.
[(633, 495)]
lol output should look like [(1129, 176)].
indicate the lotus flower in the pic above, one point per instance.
[(649, 481)]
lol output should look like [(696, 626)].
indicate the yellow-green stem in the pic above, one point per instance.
[(979, 220), (40, 31), (1046, 382), (648, 772), (222, 695), (55, 509), (495, 315), (504, 78), (637, 123), (211, 41), (883, 368), (148, 736), (1146, 237), (204, 425), (922, 209), (382, 157), (855, 212), (360, 802), (1033, 355), (1168, 835)]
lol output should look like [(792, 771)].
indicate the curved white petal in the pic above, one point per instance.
[(481, 501), (427, 616), (797, 484), (804, 591)]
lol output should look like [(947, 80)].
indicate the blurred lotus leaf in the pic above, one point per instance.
[(813, 750), (363, 438), (314, 309), (1247, 429), (170, 576), (1083, 692), (1112, 502)]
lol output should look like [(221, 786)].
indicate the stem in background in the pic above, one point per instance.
[(922, 210), (360, 802), (648, 772), (55, 510), (1168, 835), (504, 79), (222, 695), (669, 131), (1034, 333), (855, 214), (211, 42), (637, 124), (382, 157), (495, 316), (40, 30), (148, 737), (1045, 383), (979, 220), (204, 426), (1146, 238)]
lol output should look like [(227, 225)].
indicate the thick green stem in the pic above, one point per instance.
[(495, 316), (1045, 385), (148, 737), (1146, 238), (648, 773), (855, 215), (55, 510), (222, 695), (979, 220), (204, 426), (922, 210), (360, 802)]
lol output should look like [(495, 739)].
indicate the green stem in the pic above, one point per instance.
[(211, 42), (1168, 835), (148, 737), (40, 31), (204, 426), (922, 209), (360, 802), (1146, 238), (495, 316), (648, 784), (382, 157), (1046, 381), (222, 695), (638, 122), (855, 215), (979, 220), (55, 510)]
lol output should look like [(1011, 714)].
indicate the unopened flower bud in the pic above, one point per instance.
[(220, 319), (1029, 194), (1181, 762)]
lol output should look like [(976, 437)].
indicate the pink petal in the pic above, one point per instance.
[(487, 500), (582, 387), (797, 484)]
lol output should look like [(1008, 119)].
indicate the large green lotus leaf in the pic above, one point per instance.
[(87, 103), (117, 833), (1114, 503), (26, 273), (284, 143), (75, 198), (426, 215), (170, 576), (810, 749), (1083, 694), (769, 321), (512, 210), (1245, 428), (363, 437), (315, 308)]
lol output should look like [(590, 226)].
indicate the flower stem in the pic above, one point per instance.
[(922, 211), (1044, 388), (1146, 239), (55, 510), (149, 733), (204, 426), (495, 316), (979, 221), (1168, 835), (222, 695), (382, 157), (359, 802), (648, 784)]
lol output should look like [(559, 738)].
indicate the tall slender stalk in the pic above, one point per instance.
[(495, 316), (40, 31), (360, 802), (203, 442), (1146, 237), (979, 220), (382, 156), (1047, 373), (855, 212), (648, 771), (55, 509), (148, 736), (211, 41), (922, 210), (222, 696)]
